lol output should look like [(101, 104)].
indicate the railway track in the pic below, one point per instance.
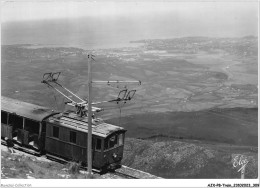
[(125, 176), (135, 173)]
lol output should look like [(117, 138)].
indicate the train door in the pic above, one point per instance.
[(97, 155), (42, 135)]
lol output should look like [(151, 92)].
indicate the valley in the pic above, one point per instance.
[(197, 94)]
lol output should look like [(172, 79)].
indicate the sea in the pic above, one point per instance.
[(116, 31), (69, 33)]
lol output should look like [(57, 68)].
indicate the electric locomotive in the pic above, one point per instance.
[(61, 135)]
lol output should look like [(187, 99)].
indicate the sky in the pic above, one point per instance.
[(202, 10), (128, 20)]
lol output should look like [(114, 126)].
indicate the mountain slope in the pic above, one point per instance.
[(175, 159)]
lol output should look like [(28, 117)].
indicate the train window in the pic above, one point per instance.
[(120, 139), (98, 144), (32, 126), (93, 143), (11, 119), (73, 137), (55, 132), (111, 142), (106, 144), (3, 117), (43, 127), (17, 121)]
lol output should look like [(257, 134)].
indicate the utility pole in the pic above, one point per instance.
[(90, 111), (89, 118)]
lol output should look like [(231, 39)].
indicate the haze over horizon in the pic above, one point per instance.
[(75, 22)]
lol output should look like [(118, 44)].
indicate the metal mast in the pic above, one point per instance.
[(89, 118)]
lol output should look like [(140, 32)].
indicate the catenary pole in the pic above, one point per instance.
[(89, 118)]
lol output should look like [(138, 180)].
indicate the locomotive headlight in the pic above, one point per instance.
[(114, 155)]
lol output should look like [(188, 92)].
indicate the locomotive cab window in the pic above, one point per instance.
[(120, 139), (111, 142), (55, 132), (73, 137), (4, 117), (98, 144)]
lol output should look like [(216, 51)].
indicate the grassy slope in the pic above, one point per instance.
[(175, 159)]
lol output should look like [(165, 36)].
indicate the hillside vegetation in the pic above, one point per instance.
[(178, 159)]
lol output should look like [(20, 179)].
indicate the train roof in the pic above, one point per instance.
[(72, 121), (24, 109)]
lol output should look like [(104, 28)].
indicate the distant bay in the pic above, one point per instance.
[(64, 33)]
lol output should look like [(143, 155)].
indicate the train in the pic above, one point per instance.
[(61, 135)]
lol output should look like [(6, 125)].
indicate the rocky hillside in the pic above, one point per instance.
[(180, 159)]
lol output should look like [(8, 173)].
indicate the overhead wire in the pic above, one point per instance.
[(119, 104)]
